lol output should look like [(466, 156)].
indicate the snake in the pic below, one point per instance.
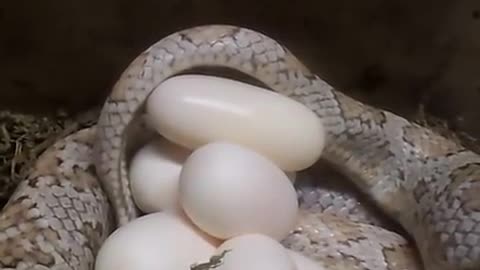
[(78, 192)]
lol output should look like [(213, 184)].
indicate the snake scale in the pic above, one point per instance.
[(78, 190)]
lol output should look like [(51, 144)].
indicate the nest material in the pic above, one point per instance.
[(441, 126), (23, 137)]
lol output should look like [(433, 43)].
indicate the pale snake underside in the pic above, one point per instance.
[(60, 215)]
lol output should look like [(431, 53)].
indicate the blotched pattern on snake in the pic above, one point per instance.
[(59, 215)]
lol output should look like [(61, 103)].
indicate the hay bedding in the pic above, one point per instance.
[(23, 137)]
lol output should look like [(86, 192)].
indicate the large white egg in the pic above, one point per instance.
[(228, 190), (154, 175), (192, 110), (254, 252), (155, 241)]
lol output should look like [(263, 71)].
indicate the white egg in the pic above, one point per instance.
[(154, 175), (192, 110), (155, 241), (254, 252), (228, 190), (304, 263)]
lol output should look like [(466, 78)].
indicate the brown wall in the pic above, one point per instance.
[(68, 53)]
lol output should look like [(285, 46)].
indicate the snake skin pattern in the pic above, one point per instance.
[(337, 243), (58, 217)]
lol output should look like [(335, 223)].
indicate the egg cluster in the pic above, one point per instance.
[(216, 186)]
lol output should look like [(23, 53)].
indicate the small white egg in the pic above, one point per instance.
[(155, 241), (304, 263), (254, 252), (154, 175), (228, 190), (192, 110)]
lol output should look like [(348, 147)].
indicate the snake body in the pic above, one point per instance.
[(424, 181), (59, 216)]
